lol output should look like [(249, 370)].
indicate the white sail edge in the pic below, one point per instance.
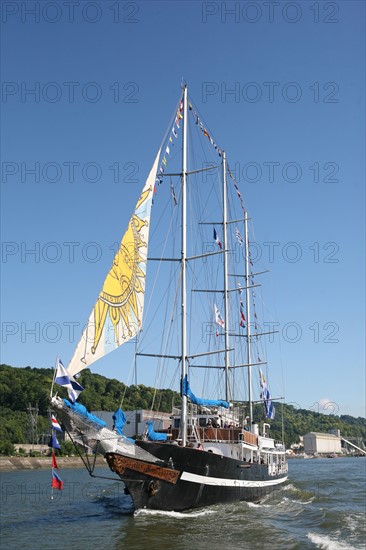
[(117, 314)]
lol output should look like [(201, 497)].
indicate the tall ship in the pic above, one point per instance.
[(183, 285)]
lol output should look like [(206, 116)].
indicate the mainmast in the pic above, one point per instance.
[(250, 396), (226, 293), (184, 266)]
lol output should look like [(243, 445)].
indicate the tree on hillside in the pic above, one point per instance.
[(20, 387)]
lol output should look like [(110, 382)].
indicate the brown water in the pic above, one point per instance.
[(322, 506)]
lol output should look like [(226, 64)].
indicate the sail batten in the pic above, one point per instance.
[(117, 314)]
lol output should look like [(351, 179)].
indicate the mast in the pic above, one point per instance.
[(226, 293), (250, 396), (184, 266)]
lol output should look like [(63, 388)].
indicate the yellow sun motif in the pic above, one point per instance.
[(124, 281)]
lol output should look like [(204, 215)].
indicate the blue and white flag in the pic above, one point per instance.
[(239, 238), (218, 319), (63, 378), (54, 444), (266, 396)]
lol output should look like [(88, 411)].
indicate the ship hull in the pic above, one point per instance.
[(187, 478)]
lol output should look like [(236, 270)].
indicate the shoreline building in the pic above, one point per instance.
[(322, 443)]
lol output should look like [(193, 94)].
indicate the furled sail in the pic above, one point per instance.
[(203, 402), (117, 314)]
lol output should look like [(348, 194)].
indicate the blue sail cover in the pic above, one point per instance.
[(119, 420), (199, 401), (80, 409), (152, 435)]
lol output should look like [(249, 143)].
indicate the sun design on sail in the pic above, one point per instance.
[(117, 314), (125, 280)]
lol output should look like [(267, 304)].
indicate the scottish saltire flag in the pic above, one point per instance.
[(218, 319), (57, 482), (266, 396), (55, 424), (63, 378), (54, 444), (216, 239)]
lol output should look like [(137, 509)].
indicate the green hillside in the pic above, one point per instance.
[(20, 387)]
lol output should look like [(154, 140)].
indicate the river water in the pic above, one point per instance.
[(322, 506)]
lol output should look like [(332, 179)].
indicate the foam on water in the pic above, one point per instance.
[(290, 487), (258, 505), (327, 543), (297, 501), (178, 515), (352, 522)]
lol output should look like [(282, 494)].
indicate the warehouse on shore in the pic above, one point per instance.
[(322, 443)]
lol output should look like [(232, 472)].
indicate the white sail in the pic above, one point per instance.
[(117, 314)]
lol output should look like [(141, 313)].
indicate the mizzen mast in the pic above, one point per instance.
[(247, 290), (226, 291)]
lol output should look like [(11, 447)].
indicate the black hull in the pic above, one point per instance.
[(202, 479)]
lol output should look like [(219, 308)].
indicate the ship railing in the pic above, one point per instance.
[(194, 410), (209, 433), (277, 468), (280, 446)]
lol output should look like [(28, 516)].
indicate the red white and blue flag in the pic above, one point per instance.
[(242, 317), (216, 239), (55, 424), (218, 319), (57, 482)]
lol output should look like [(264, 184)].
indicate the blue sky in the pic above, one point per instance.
[(281, 86)]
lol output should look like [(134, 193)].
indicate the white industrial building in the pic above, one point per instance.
[(320, 443)]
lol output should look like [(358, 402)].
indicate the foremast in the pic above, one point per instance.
[(184, 265)]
